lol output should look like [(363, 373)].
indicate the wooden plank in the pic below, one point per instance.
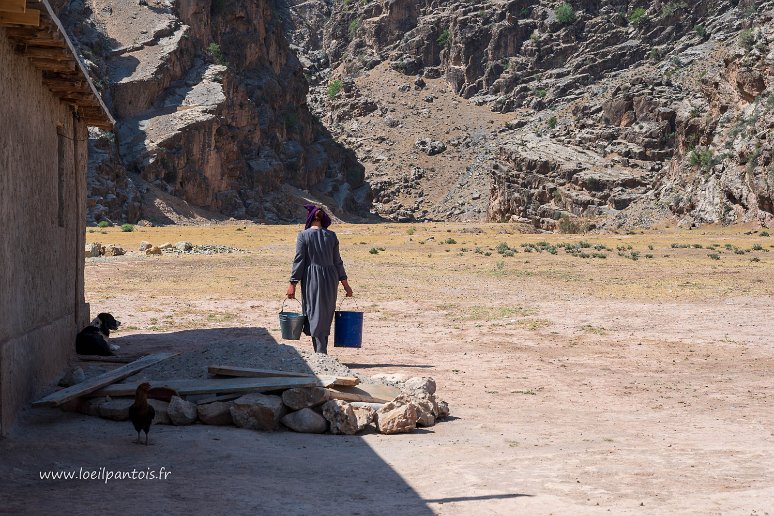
[(13, 6), (249, 372), (366, 392), (253, 373), (53, 65), (113, 360), (86, 387), (29, 18), (213, 386), (57, 53)]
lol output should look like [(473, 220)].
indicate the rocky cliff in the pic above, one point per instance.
[(626, 111), (211, 109), (616, 112)]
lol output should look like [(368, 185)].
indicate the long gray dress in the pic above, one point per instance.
[(319, 268)]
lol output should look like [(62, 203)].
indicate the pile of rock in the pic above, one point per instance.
[(185, 248), (306, 410), (95, 249)]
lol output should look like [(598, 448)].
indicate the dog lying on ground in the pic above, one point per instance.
[(93, 340)]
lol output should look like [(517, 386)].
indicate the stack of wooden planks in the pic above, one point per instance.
[(227, 382)]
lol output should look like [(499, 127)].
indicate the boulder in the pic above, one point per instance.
[(443, 409), (396, 419), (181, 412), (215, 413), (184, 247), (258, 411), (114, 250), (365, 416), (341, 417), (301, 397), (162, 412), (117, 410), (153, 251), (419, 384), (90, 406), (430, 147), (93, 250), (426, 409), (144, 246), (166, 245), (305, 421), (73, 376)]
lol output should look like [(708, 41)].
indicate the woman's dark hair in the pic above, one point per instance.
[(318, 215)]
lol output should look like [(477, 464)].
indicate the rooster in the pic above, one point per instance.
[(141, 414)]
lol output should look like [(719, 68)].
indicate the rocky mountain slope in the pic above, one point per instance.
[(211, 111), (625, 110), (540, 111)]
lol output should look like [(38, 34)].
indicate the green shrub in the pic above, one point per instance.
[(702, 157), (637, 16), (552, 122), (671, 8), (103, 224), (353, 26), (747, 39), (540, 93), (567, 225), (764, 233), (373, 250), (700, 30), (411, 231), (334, 87), (565, 14), (714, 256), (450, 241), (127, 228), (216, 53), (444, 39)]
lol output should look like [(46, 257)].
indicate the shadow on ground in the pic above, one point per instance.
[(213, 469)]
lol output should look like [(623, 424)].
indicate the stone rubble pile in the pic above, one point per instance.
[(300, 409), (95, 249)]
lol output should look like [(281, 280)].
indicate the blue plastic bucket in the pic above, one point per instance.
[(348, 332)]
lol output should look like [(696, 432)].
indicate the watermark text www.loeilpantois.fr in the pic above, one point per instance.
[(106, 475)]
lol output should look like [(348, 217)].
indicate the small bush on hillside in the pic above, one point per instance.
[(353, 26), (638, 16), (567, 225), (552, 122), (216, 53), (127, 228), (411, 231), (103, 224), (701, 30), (747, 39), (444, 38), (565, 14), (702, 157), (334, 88)]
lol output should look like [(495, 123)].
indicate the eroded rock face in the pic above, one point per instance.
[(210, 108)]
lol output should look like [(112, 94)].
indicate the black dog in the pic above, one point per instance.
[(93, 340)]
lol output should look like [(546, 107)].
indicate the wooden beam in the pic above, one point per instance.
[(13, 6), (212, 386), (369, 393), (53, 65), (58, 53), (268, 373), (30, 18), (110, 360), (88, 386)]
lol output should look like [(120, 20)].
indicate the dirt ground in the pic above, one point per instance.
[(577, 385)]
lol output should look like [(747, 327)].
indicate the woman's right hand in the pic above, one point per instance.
[(291, 291)]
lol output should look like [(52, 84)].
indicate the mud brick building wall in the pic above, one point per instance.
[(42, 223)]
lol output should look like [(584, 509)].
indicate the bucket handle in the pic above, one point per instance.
[(341, 301), (294, 299)]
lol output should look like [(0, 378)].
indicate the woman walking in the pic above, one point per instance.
[(319, 268)]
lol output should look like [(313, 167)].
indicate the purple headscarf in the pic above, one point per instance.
[(311, 209)]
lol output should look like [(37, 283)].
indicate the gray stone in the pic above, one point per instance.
[(93, 250), (184, 246), (90, 406), (72, 377), (114, 250), (365, 416), (341, 417), (144, 246), (303, 397), (306, 421), (166, 246), (430, 147), (418, 384), (258, 412), (181, 412), (117, 410), (162, 412), (215, 413), (443, 409)]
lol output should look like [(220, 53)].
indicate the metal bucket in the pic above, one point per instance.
[(291, 323), (348, 332)]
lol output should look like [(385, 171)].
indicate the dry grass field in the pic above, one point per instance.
[(589, 383)]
